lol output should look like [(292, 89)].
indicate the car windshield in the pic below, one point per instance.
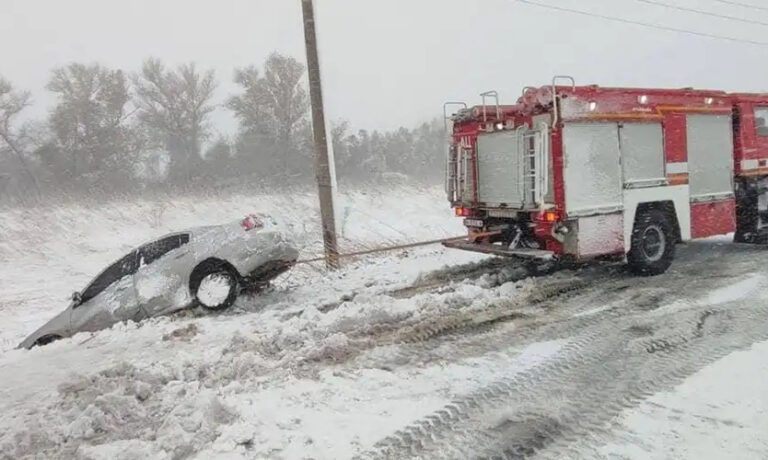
[(125, 266)]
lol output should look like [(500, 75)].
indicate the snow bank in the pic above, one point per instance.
[(48, 252), (267, 381), (236, 382)]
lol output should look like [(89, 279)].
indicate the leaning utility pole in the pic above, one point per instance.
[(324, 170)]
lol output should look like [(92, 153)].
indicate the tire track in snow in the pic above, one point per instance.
[(486, 328), (604, 372)]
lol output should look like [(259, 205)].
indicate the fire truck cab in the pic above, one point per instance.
[(580, 172)]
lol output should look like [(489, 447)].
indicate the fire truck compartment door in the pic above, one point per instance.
[(642, 154), (710, 156), (499, 169), (593, 176)]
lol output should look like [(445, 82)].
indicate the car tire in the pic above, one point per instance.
[(653, 244), (215, 285)]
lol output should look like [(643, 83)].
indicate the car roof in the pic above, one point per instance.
[(192, 232)]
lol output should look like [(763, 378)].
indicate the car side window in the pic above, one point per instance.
[(761, 121), (123, 267), (157, 249)]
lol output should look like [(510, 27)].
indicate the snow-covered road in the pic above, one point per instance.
[(427, 353)]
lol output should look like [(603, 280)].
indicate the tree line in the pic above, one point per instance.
[(113, 132)]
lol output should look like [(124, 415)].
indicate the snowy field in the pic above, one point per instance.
[(425, 353)]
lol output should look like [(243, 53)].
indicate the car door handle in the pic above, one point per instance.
[(179, 256)]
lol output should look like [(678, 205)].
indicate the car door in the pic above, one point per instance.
[(162, 278), (109, 298)]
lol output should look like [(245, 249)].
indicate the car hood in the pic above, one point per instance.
[(59, 326)]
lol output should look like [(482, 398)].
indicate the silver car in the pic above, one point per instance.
[(207, 266)]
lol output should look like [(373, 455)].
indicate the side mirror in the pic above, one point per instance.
[(77, 298)]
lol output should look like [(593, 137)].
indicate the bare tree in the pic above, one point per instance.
[(174, 106), (273, 106), (89, 121), (12, 103)]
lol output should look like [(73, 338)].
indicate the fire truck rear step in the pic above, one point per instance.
[(498, 250)]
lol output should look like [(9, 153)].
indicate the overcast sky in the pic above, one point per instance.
[(388, 63)]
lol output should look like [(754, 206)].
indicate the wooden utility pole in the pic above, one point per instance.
[(324, 170)]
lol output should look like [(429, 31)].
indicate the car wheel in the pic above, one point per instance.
[(653, 244), (215, 286)]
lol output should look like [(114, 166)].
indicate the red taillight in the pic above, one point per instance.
[(463, 212), (549, 216), (250, 222)]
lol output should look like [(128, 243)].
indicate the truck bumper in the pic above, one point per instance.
[(488, 248)]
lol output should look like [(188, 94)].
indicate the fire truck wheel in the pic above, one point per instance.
[(653, 246)]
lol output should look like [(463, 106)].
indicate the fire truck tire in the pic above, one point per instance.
[(653, 244)]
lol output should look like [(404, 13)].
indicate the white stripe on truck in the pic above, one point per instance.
[(677, 168), (749, 164)]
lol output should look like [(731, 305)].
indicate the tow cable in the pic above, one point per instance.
[(473, 236)]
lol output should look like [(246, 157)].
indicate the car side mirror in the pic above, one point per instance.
[(77, 298)]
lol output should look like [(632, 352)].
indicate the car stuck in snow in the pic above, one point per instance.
[(206, 266)]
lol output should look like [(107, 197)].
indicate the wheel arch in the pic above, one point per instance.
[(46, 339), (748, 193), (204, 266), (673, 199)]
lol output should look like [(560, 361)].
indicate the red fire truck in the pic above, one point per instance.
[(583, 172)]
